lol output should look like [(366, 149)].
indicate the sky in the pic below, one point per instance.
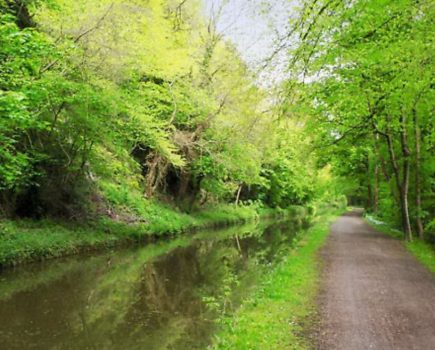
[(254, 26)]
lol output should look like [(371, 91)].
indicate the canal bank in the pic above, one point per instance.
[(23, 241)]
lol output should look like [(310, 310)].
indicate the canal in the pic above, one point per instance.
[(167, 295)]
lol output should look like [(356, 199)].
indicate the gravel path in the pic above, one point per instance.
[(375, 295)]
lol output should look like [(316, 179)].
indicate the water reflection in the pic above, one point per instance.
[(162, 296)]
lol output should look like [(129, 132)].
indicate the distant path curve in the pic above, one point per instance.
[(375, 295)]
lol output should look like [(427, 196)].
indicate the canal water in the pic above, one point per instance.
[(168, 295)]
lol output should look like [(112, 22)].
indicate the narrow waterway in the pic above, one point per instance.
[(168, 295)]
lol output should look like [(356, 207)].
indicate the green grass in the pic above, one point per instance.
[(423, 251), (28, 240), (284, 307), (25, 240)]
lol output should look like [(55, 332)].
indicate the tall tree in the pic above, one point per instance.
[(366, 64)]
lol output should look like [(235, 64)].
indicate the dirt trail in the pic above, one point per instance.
[(375, 295)]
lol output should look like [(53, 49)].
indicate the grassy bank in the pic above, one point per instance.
[(282, 309), (423, 251), (29, 240)]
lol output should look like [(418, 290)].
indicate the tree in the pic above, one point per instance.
[(367, 66)]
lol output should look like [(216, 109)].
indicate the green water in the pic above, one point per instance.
[(168, 295)]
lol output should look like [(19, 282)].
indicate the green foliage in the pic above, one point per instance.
[(113, 99), (110, 108), (21, 55), (367, 68), (424, 252)]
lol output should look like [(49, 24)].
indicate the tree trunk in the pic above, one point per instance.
[(406, 222), (157, 169), (418, 209), (151, 176), (376, 190), (20, 10), (405, 183), (369, 203), (238, 194), (402, 187), (383, 166)]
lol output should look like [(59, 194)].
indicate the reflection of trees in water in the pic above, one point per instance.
[(138, 300), (243, 264), (168, 304), (42, 317), (30, 277), (274, 239)]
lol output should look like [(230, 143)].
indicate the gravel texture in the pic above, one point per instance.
[(375, 295)]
